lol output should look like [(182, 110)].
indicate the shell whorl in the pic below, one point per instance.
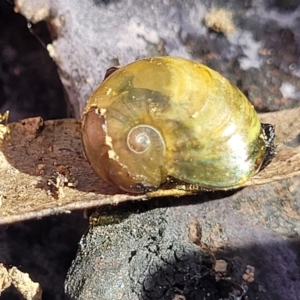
[(143, 138)]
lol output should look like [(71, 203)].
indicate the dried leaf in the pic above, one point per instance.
[(44, 171)]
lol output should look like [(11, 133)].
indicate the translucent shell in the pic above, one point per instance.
[(167, 120)]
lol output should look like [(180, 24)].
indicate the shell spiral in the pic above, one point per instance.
[(167, 119)]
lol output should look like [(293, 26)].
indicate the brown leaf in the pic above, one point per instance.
[(44, 171)]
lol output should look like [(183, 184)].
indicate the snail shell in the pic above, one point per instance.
[(168, 120)]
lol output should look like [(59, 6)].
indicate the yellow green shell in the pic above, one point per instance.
[(171, 120)]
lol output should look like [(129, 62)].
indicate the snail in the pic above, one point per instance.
[(170, 122)]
